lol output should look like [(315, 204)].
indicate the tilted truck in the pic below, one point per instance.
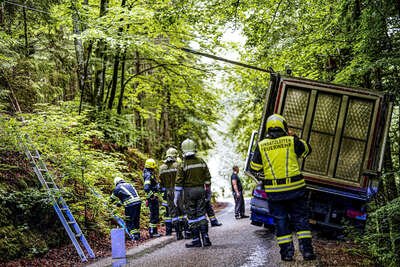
[(347, 129)]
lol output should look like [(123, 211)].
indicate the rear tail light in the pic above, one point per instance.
[(260, 193), (356, 214)]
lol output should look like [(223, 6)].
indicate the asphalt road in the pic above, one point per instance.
[(235, 243)]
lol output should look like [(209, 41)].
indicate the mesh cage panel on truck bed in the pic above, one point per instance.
[(339, 123)]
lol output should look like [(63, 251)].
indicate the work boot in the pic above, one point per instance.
[(168, 228), (306, 248), (196, 239), (215, 222), (186, 230), (204, 235), (153, 232), (287, 251), (178, 231), (136, 237)]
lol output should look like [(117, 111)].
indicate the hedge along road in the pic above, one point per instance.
[(235, 243)]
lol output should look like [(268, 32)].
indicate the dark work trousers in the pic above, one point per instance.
[(209, 210), (176, 213), (132, 213), (154, 208), (293, 211), (195, 202), (239, 204)]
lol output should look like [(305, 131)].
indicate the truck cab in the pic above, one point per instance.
[(346, 128)]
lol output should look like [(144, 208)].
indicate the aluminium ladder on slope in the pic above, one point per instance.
[(60, 206)]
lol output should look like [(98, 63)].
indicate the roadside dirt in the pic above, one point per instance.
[(330, 252)]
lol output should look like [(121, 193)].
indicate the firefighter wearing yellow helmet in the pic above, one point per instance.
[(277, 157), (151, 187)]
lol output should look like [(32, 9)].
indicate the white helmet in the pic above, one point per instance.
[(117, 180), (188, 147), (172, 152)]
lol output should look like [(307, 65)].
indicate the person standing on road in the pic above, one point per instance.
[(168, 172), (127, 195), (237, 191), (151, 187), (195, 179), (277, 156)]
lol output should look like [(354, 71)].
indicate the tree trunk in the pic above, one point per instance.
[(121, 95), (115, 69), (138, 117), (165, 129), (100, 65), (79, 51), (25, 32), (114, 80), (2, 23)]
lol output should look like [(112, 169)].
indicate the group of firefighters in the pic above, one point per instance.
[(185, 186), (275, 157)]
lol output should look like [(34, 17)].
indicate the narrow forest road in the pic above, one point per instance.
[(235, 243)]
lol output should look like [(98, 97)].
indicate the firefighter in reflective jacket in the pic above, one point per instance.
[(168, 173), (151, 187), (126, 195), (277, 156), (195, 179)]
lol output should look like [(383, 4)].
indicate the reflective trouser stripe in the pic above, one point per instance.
[(197, 219), (284, 239), (304, 234), (168, 219), (134, 231), (175, 219)]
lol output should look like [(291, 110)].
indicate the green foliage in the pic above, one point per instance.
[(382, 237)]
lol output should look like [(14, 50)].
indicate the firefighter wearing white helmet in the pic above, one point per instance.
[(194, 177), (127, 195), (151, 187), (277, 157)]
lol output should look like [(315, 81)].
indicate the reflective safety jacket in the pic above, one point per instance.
[(193, 172), (151, 185), (278, 158), (126, 194), (168, 172)]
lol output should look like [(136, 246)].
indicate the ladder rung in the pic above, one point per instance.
[(71, 222), (42, 170), (78, 235)]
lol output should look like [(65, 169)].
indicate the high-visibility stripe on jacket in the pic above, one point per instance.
[(193, 172), (278, 158), (168, 173), (126, 193)]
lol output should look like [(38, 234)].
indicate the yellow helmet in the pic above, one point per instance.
[(117, 180), (172, 152), (188, 147), (150, 164), (277, 121)]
